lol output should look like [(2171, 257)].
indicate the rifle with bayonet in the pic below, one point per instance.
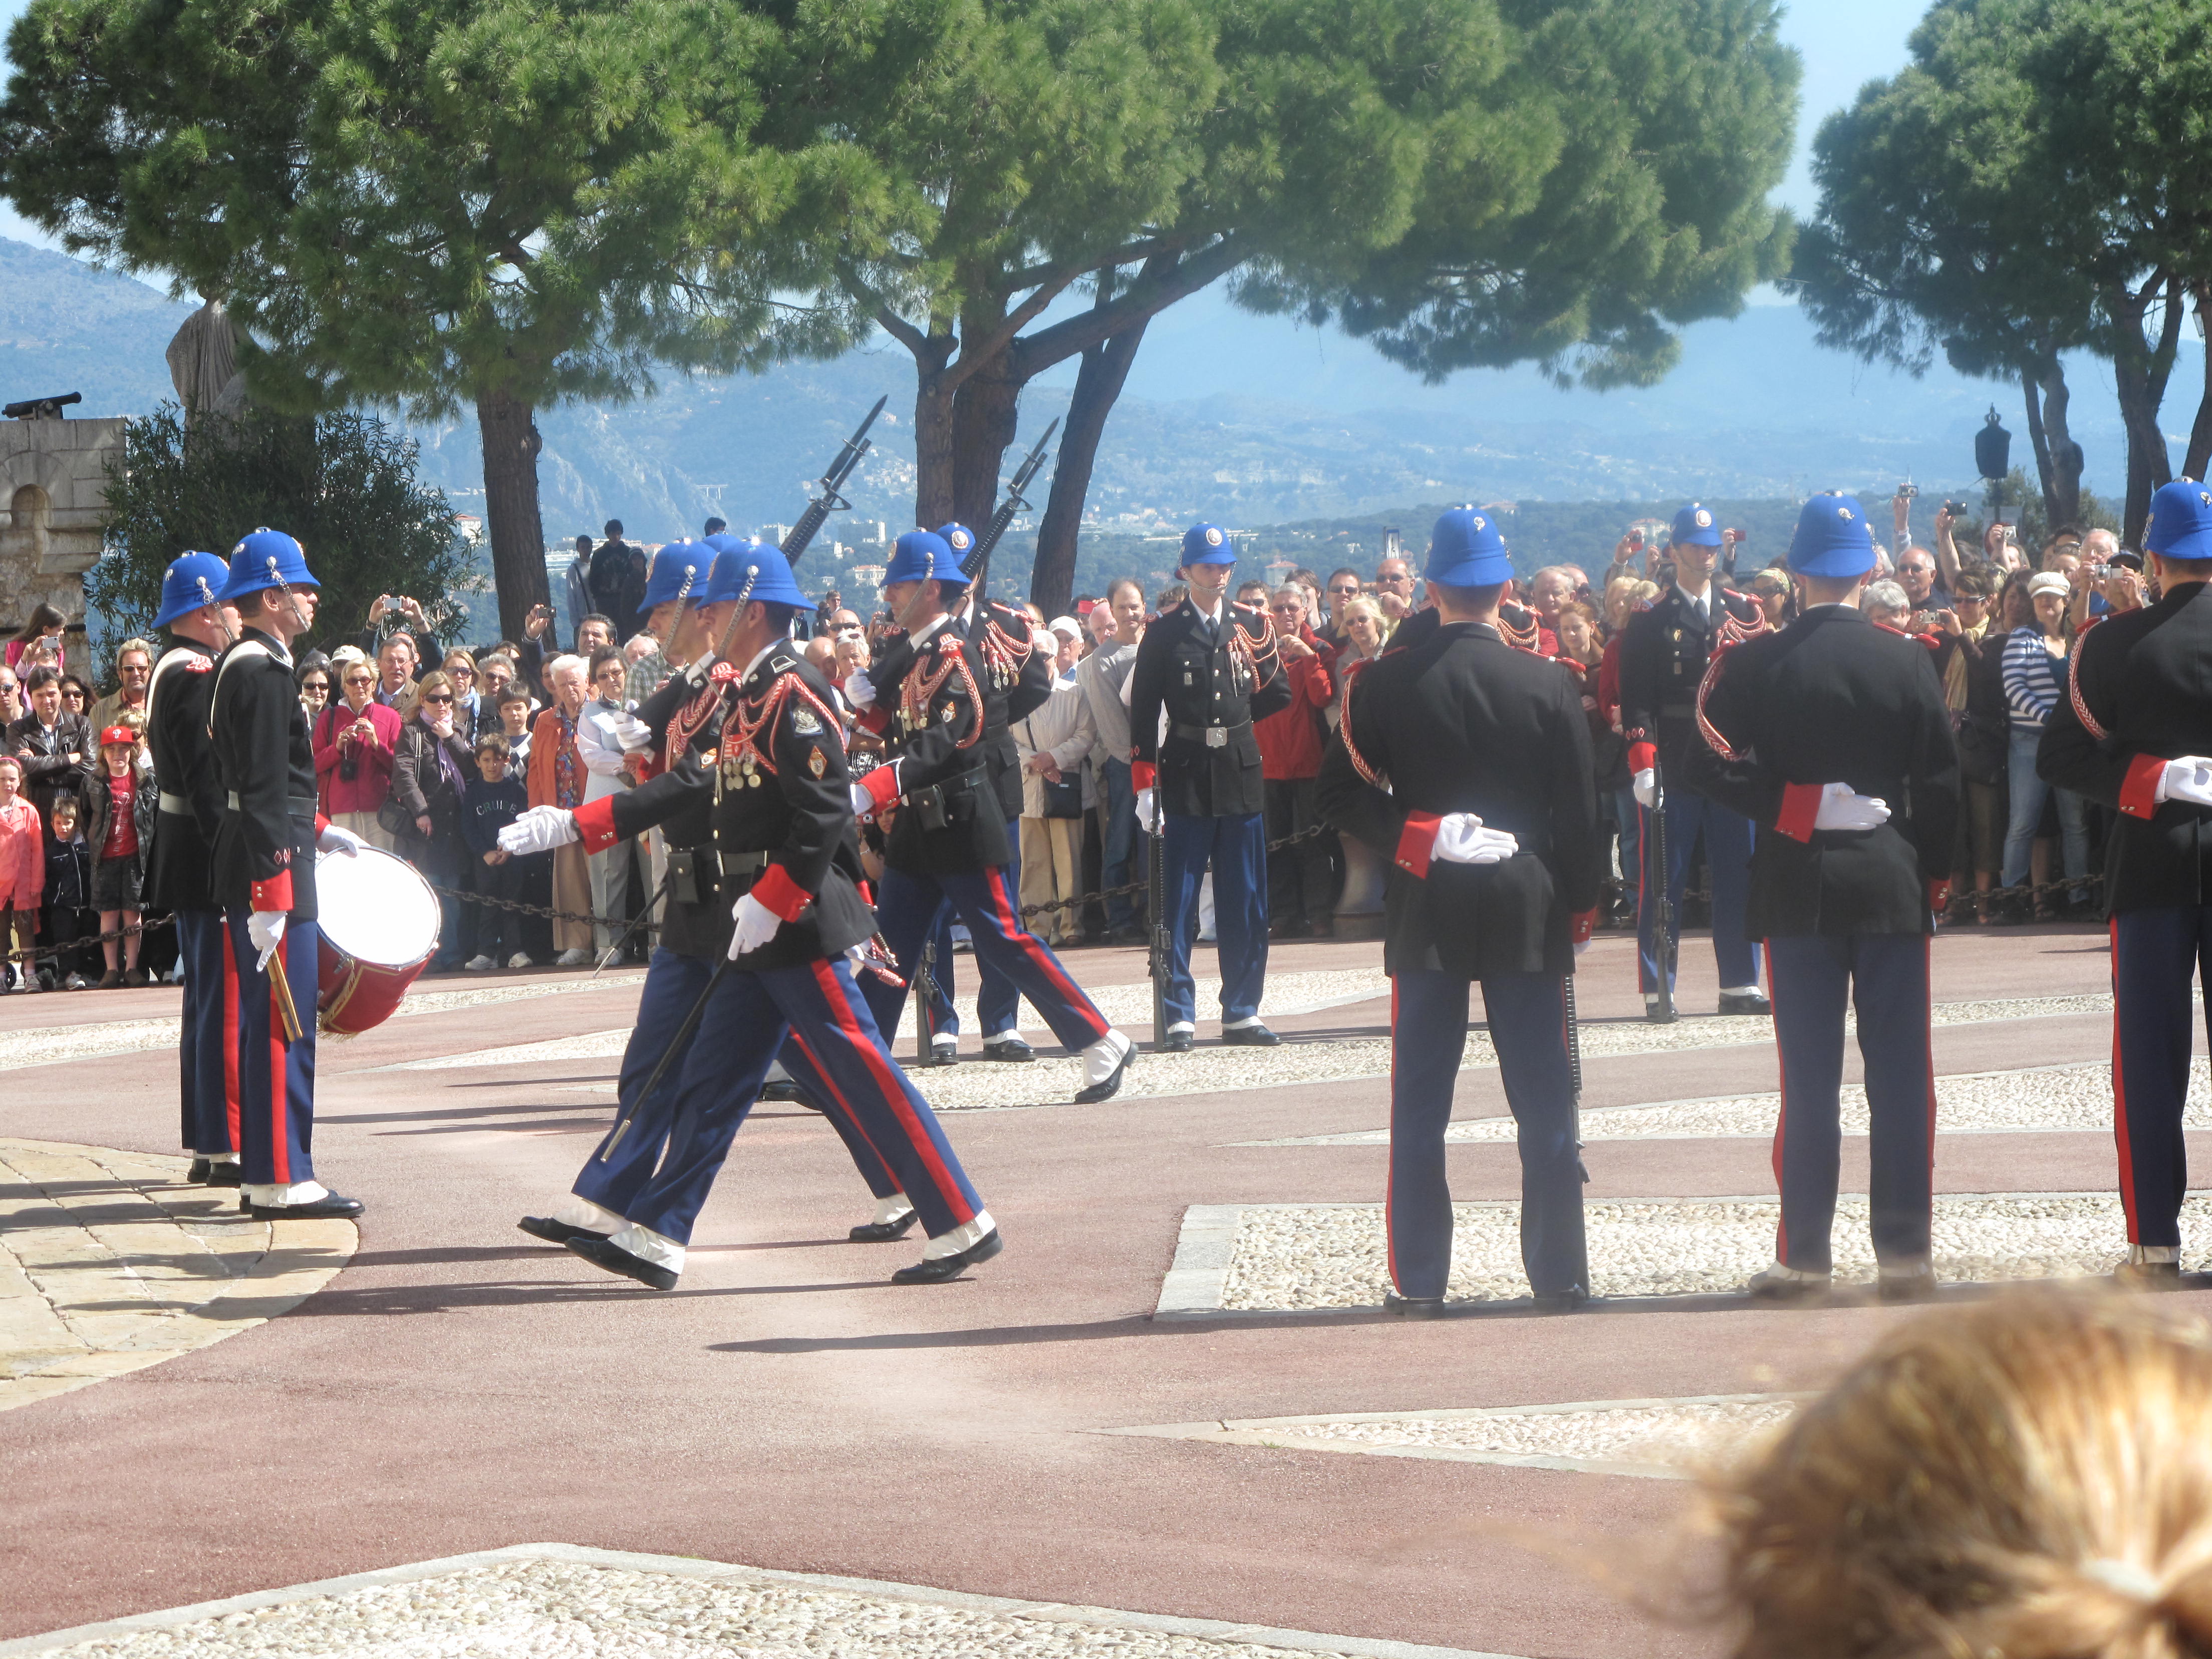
[(976, 567), (831, 500)]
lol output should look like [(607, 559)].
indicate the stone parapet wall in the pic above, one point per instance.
[(53, 487)]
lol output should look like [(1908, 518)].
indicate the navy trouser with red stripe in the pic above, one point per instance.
[(627, 1156), (819, 1008), (1236, 847), (1727, 838), (2156, 955), (908, 907), (1812, 979), (208, 1050), (1528, 1020), (276, 1078)]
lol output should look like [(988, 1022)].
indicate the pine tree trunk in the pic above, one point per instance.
[(2199, 433), (2063, 494), (984, 416), (2139, 375), (511, 445), (1098, 384), (932, 452)]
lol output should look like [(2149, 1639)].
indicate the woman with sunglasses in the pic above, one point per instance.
[(355, 738), (77, 696), (430, 773)]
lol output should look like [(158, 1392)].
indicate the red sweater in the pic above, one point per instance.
[(1292, 740)]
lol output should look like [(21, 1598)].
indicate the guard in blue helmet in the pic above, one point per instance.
[(948, 845), (264, 876), (1833, 736), (2131, 732), (767, 909), (178, 700), (1465, 762), (1663, 653), (1205, 671)]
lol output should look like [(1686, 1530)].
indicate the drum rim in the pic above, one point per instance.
[(437, 912)]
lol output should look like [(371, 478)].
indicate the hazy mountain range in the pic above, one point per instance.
[(1243, 420)]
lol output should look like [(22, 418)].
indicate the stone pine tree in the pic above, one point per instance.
[(494, 205)]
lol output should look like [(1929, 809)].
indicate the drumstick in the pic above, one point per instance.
[(281, 988)]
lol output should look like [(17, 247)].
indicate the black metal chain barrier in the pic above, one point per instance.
[(35, 951), (545, 910), (1967, 901), (1029, 910)]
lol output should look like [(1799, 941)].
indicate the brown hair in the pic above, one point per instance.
[(2031, 1477), (435, 680)]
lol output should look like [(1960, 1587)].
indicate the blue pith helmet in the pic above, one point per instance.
[(1466, 550), (761, 566), (679, 573), (957, 537), (1833, 538), (267, 558), (1207, 543), (193, 582), (922, 555), (2180, 522), (1695, 527)]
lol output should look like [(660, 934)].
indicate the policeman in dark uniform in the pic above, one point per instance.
[(782, 847), (177, 702), (948, 842), (695, 932), (2132, 733), (265, 876), (1813, 733), (1663, 653), (1465, 763), (1209, 667)]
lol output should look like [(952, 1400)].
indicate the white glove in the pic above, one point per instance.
[(632, 734), (540, 829), (757, 926), (1842, 810), (1645, 785), (1461, 839), (859, 689), (864, 804), (266, 929), (335, 839), (2187, 779), (1145, 811)]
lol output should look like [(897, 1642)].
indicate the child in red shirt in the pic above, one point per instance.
[(22, 875), (124, 800)]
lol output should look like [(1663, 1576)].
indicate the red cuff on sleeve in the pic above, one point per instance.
[(2139, 789), (1938, 894), (1142, 774), (321, 825), (1417, 842), (776, 889), (882, 785), (1581, 925), (274, 894), (874, 717), (1800, 807), (1642, 756), (595, 822)]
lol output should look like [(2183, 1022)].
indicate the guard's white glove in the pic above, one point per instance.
[(757, 926), (540, 829), (632, 734), (1645, 785), (2188, 778), (266, 929), (1461, 839), (1842, 810), (335, 839), (859, 689), (1145, 811), (864, 804)]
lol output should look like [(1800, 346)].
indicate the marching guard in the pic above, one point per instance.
[(1210, 667), (1811, 733), (178, 700), (2131, 732), (1465, 763), (766, 921), (1663, 653), (264, 876), (948, 842)]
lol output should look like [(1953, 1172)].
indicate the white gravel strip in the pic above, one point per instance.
[(1335, 1255), (522, 1607), (2037, 1100), (1132, 1005)]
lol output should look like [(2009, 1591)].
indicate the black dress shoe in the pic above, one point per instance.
[(604, 1253), (1916, 1285), (225, 1174), (329, 1207), (784, 1092), (552, 1231), (198, 1174), (1107, 1088), (947, 1056), (1009, 1048), (1175, 1043), (937, 1271), (1565, 1301), (883, 1232), (1413, 1307), (1745, 1002), (1249, 1036)]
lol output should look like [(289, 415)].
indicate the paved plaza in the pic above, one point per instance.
[(1170, 1419)]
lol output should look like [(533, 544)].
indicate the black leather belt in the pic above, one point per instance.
[(301, 808), (1213, 736)]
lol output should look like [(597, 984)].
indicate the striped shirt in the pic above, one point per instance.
[(2034, 680)]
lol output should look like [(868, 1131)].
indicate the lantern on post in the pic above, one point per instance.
[(1993, 459)]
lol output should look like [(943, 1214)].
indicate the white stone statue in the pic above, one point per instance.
[(203, 364)]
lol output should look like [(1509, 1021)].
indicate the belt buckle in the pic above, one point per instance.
[(1216, 737)]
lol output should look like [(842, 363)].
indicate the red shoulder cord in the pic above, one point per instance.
[(1004, 656), (917, 693), (2090, 723), (1732, 634), (1368, 774), (685, 724), (1521, 639), (748, 720), (1245, 649)]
